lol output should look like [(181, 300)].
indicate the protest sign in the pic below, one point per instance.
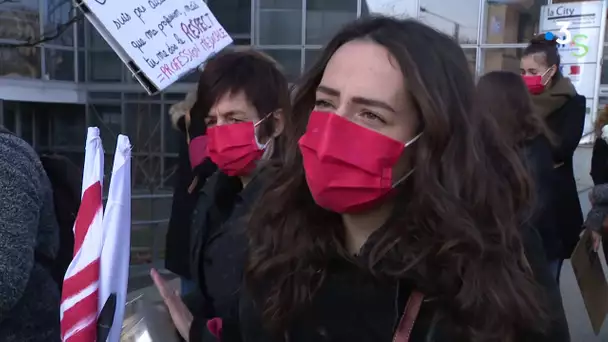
[(160, 41)]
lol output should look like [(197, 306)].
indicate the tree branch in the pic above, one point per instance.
[(45, 37)]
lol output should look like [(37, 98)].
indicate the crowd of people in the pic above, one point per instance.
[(385, 196)]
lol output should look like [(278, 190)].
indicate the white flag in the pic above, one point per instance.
[(115, 254), (79, 300)]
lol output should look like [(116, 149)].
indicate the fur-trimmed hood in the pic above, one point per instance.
[(179, 110)]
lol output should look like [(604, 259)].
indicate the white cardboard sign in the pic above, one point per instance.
[(159, 40)]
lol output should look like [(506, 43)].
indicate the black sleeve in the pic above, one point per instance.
[(570, 132), (540, 165), (599, 162)]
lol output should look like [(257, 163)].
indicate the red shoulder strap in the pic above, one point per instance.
[(406, 324)]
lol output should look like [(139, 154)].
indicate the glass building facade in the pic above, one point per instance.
[(50, 92)]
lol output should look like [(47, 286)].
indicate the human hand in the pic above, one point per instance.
[(181, 316)]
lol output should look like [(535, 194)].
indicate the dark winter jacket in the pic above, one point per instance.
[(567, 122)]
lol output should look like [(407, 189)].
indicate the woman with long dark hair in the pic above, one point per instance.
[(503, 96), (397, 217), (555, 99)]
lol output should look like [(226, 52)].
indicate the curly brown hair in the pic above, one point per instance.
[(455, 231)]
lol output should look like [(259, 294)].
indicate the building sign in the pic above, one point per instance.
[(160, 41), (582, 54)]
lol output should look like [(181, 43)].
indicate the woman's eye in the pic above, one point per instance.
[(323, 104), (372, 116)]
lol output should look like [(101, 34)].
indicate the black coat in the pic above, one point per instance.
[(567, 124), (599, 162), (352, 305), (539, 161), (177, 259), (219, 246)]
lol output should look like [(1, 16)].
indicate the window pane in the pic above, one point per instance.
[(143, 127), (604, 76), (289, 61), (80, 31), (458, 19), (107, 118), (60, 64), (43, 129), (20, 62), (310, 57), (10, 115), (284, 14), (501, 59), (96, 41), (145, 172), (59, 12), (82, 64), (19, 20), (471, 58), (104, 66), (68, 125), (512, 22), (173, 137), (27, 122), (324, 18), (234, 15), (399, 9)]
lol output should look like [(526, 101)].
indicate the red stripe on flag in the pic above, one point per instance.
[(86, 307), (89, 206), (81, 280), (87, 334)]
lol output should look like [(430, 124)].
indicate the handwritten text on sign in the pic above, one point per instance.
[(165, 38)]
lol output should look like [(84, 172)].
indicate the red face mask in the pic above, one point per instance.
[(234, 148), (535, 83), (349, 168)]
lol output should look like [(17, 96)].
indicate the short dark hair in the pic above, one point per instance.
[(258, 76), (547, 49)]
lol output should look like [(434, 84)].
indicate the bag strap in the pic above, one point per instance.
[(406, 324)]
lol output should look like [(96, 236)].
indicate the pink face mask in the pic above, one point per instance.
[(535, 83), (348, 167)]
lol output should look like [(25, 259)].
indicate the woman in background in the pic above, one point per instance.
[(555, 99), (243, 99), (504, 96), (597, 218)]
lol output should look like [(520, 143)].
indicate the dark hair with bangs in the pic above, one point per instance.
[(253, 73)]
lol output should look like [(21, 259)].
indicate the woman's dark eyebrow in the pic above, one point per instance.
[(372, 103), (327, 90), (359, 100)]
